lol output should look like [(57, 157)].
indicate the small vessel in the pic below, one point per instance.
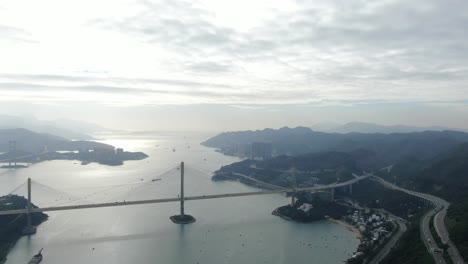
[(36, 258), (153, 180)]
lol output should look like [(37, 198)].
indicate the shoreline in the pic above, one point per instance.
[(275, 212), (13, 231), (348, 226)]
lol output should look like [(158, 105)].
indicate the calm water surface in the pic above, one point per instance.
[(235, 230)]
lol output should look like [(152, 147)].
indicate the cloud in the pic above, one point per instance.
[(418, 30), (16, 34), (309, 51), (210, 67), (90, 79)]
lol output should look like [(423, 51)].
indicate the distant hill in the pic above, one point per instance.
[(81, 126), (360, 127), (32, 142), (368, 128), (388, 148), (69, 129)]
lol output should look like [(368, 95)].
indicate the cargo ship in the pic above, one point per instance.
[(36, 258)]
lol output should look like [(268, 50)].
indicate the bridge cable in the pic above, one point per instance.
[(17, 188)]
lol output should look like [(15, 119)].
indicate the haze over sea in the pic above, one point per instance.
[(235, 230)]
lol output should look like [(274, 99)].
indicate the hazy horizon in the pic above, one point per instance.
[(82, 126)]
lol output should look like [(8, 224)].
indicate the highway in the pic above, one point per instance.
[(427, 237), (439, 212), (334, 185), (260, 183), (317, 188), (439, 225)]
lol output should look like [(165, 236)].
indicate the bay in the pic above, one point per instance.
[(233, 230)]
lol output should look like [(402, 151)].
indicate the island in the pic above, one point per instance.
[(24, 146), (11, 226)]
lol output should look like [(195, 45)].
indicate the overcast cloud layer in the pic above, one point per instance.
[(152, 53)]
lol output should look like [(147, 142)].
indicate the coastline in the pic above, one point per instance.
[(275, 212), (14, 230), (2, 261), (348, 226)]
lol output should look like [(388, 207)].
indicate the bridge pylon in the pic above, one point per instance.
[(293, 185), (182, 218), (29, 229)]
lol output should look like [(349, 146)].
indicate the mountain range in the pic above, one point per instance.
[(386, 149), (31, 142), (362, 127), (69, 129)]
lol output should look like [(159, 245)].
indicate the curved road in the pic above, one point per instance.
[(439, 225), (427, 237), (438, 213)]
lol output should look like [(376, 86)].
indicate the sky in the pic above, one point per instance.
[(233, 65)]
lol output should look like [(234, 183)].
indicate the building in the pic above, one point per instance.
[(119, 153), (261, 150)]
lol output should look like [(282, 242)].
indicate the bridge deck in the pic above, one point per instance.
[(168, 200)]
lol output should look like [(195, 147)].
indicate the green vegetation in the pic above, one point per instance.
[(457, 224), (322, 168), (439, 243), (318, 212), (445, 176), (11, 226), (373, 195)]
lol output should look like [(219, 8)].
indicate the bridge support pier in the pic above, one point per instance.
[(182, 218), (12, 150), (29, 229), (332, 191), (351, 189)]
